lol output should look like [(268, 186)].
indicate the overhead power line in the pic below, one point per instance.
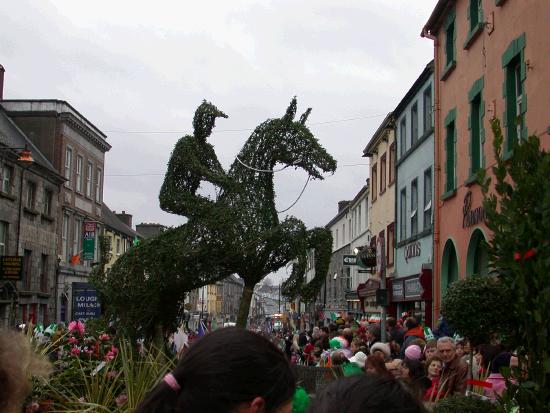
[(240, 130), (162, 173)]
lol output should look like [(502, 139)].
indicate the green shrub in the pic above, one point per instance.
[(464, 404)]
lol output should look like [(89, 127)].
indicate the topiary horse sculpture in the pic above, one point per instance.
[(241, 234)]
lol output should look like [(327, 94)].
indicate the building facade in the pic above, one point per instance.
[(490, 62), (119, 232), (29, 199), (411, 286), (358, 222), (381, 150), (338, 279), (76, 148)]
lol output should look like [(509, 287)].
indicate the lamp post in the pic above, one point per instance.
[(25, 158)]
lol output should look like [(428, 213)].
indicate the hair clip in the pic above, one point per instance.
[(171, 381)]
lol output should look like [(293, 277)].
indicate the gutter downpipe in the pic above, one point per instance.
[(436, 274)]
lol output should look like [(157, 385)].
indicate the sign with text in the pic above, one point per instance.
[(350, 260), (367, 257), (11, 268), (88, 246), (85, 302)]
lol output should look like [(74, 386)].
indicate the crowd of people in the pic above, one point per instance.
[(235, 370), (430, 368)]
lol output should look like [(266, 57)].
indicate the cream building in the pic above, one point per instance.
[(382, 153)]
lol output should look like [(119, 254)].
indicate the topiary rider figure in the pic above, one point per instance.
[(192, 161)]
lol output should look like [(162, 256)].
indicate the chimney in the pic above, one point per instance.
[(126, 218), (2, 70), (342, 205)]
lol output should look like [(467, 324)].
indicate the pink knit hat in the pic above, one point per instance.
[(413, 352)]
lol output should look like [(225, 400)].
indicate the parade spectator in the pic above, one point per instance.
[(460, 348), (373, 334), (414, 377), (381, 350), (413, 352), (496, 379), (365, 394), (430, 349), (359, 358), (397, 332), (228, 370), (487, 352), (18, 362), (433, 368), (414, 331), (455, 370), (395, 368), (375, 365), (356, 345)]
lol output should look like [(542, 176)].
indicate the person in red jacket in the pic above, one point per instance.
[(414, 331)]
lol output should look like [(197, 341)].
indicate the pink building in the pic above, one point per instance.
[(491, 60)]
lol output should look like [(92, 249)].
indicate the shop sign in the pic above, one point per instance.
[(413, 289), (412, 250), (368, 288), (11, 268), (367, 257), (88, 244), (350, 260), (471, 216), (397, 290), (85, 302)]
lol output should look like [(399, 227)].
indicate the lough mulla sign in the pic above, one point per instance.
[(85, 302)]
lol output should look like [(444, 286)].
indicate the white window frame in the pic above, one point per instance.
[(89, 179), (48, 198), (3, 237), (31, 195), (68, 165), (7, 174), (79, 163), (98, 177), (77, 235), (65, 237), (414, 206)]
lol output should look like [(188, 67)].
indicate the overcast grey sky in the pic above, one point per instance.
[(135, 67)]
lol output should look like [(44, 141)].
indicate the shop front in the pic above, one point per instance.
[(366, 293), (412, 295)]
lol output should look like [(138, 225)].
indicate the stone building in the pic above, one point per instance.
[(29, 200), (76, 149)]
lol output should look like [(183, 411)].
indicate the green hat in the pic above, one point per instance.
[(300, 401)]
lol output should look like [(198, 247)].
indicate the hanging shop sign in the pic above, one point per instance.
[(88, 246), (350, 260), (412, 250), (367, 257), (471, 216)]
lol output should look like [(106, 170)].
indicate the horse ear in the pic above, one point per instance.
[(291, 110), (304, 116)]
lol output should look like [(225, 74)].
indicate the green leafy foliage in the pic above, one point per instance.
[(474, 307), (463, 404), (517, 208), (238, 232)]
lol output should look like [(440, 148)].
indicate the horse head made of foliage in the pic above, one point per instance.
[(289, 142)]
